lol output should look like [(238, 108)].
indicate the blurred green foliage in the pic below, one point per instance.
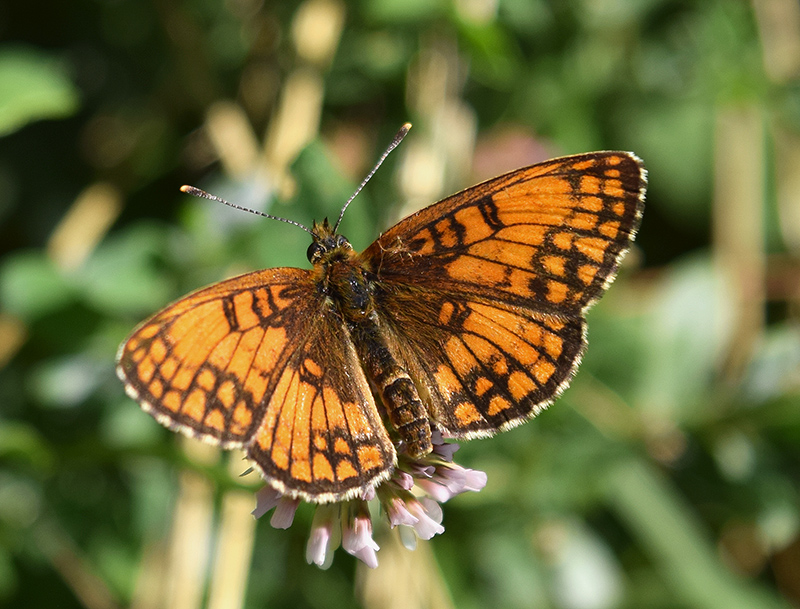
[(34, 88), (664, 477)]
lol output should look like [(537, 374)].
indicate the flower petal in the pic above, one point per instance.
[(438, 491), (368, 556), (283, 516), (446, 450), (357, 529), (429, 515), (325, 535), (408, 537), (398, 513), (266, 499), (476, 480)]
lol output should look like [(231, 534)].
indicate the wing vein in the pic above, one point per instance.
[(520, 337)]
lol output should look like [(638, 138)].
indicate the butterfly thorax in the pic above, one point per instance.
[(340, 273)]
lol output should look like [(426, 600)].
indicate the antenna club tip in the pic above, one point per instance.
[(397, 139), (187, 189)]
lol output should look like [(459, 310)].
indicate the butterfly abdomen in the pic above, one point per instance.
[(399, 395)]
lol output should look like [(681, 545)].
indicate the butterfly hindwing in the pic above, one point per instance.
[(483, 366), (322, 437)]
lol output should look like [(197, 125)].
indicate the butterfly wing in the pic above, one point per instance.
[(548, 236), (482, 366), (247, 363), (485, 291)]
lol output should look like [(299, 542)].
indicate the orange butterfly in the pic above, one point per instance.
[(467, 316)]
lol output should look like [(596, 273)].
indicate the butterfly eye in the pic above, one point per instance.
[(314, 252), (340, 241)]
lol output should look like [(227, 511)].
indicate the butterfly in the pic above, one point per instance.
[(467, 317)]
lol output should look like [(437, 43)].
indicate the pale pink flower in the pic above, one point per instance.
[(410, 499)]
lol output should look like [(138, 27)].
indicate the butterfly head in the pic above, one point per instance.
[(327, 244)]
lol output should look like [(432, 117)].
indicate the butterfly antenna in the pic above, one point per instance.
[(197, 192), (397, 139)]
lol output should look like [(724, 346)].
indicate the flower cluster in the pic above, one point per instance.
[(409, 499)]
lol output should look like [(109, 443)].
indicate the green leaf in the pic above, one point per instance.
[(122, 275), (33, 86), (31, 286), (21, 442)]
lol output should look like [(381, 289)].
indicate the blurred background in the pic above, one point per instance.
[(668, 475)]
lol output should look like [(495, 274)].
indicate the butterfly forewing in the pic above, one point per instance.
[(548, 236), (203, 364), (245, 363)]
